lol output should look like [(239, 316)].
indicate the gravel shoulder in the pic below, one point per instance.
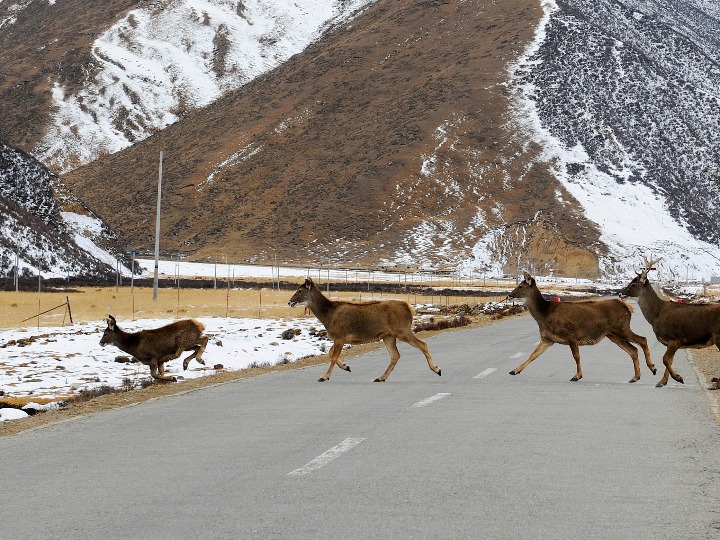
[(707, 363)]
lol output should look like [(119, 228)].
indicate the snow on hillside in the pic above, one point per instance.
[(35, 234), (627, 108), (163, 60)]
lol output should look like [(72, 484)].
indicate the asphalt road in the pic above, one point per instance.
[(476, 453)]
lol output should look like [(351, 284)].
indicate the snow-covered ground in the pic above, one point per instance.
[(60, 361), (463, 277)]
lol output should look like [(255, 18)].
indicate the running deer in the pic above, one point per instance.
[(676, 325), (580, 323), (159, 345), (361, 322)]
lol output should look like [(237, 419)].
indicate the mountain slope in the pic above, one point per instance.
[(625, 96), (111, 74), (43, 43), (35, 233), (566, 137), (382, 141)]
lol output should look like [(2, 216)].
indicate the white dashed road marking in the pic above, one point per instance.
[(517, 355), (428, 401), (326, 457), (485, 373)]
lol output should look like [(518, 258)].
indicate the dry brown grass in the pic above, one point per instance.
[(94, 303)]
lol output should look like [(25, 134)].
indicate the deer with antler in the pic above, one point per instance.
[(676, 325), (580, 323)]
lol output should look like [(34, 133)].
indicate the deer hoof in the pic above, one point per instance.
[(660, 385), (715, 379), (379, 380), (513, 372), (575, 379), (654, 370), (322, 379), (347, 368), (439, 372), (633, 380)]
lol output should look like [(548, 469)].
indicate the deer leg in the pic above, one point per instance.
[(640, 340), (576, 355), (157, 370), (391, 346), (202, 341), (541, 348), (672, 348), (334, 353), (198, 349), (195, 350), (411, 339), (340, 363), (626, 346)]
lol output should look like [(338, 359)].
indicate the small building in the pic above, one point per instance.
[(715, 280)]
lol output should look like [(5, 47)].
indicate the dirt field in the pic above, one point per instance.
[(93, 304)]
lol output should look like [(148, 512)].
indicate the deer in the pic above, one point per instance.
[(159, 345), (676, 325), (580, 323), (361, 322)]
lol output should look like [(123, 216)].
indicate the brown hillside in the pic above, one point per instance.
[(322, 159), (47, 43)]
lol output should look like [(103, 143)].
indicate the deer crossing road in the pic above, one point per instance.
[(476, 453)]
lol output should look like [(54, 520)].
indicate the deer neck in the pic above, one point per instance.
[(126, 341), (320, 305), (536, 304), (650, 303)]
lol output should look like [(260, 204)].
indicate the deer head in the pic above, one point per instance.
[(109, 333), (635, 287), (302, 295), (524, 288)]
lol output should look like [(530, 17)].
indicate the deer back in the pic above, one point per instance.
[(584, 321), (368, 320)]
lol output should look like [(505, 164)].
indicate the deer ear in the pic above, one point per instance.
[(528, 277), (308, 283), (110, 322)]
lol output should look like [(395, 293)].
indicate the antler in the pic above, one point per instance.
[(649, 263)]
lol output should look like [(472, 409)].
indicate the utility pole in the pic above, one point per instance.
[(157, 232), (132, 271)]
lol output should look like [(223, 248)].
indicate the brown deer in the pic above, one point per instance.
[(361, 322), (676, 325), (580, 323), (159, 345)]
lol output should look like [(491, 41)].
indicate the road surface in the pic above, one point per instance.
[(476, 453)]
